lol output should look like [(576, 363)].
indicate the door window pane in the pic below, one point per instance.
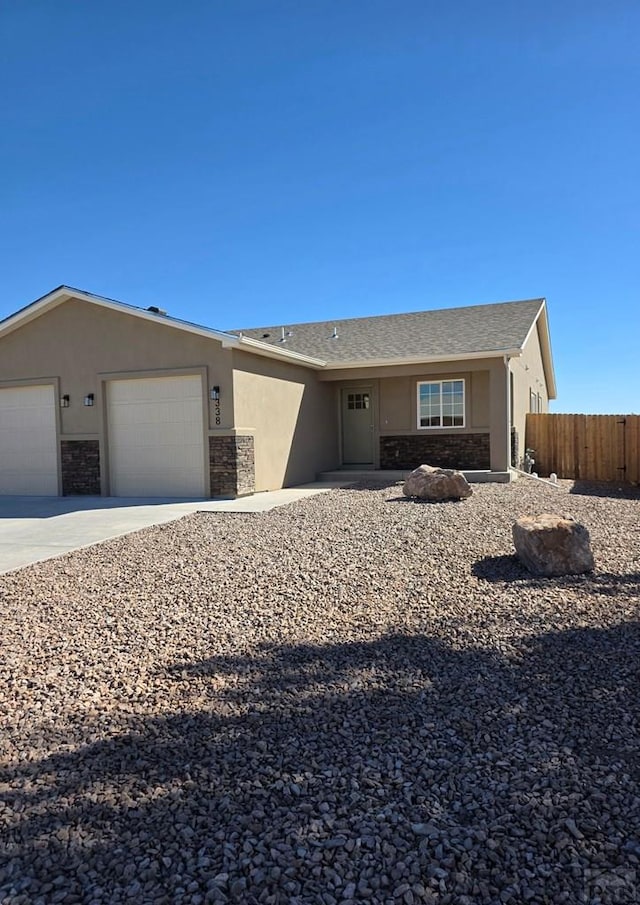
[(357, 401)]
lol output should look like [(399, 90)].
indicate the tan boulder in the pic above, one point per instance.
[(436, 484), (551, 545)]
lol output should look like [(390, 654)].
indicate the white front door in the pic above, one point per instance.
[(156, 437), (28, 441)]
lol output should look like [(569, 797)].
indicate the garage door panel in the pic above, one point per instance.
[(28, 441), (123, 391), (145, 483), (150, 412), (156, 436), (142, 435), (174, 456), (31, 418), (27, 459), (21, 482)]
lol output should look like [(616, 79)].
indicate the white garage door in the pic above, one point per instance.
[(28, 441), (156, 437)]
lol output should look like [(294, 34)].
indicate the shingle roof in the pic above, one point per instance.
[(422, 334)]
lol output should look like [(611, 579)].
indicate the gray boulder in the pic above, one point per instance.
[(436, 484), (550, 545)]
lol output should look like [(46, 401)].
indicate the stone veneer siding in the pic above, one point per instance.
[(462, 451), (231, 466), (515, 448), (80, 467)]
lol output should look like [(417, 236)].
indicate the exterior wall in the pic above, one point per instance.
[(482, 443), (528, 375), (79, 346), (80, 461), (275, 423), (292, 416), (231, 465), (399, 404), (462, 451)]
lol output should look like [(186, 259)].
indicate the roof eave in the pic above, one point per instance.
[(228, 340), (541, 323), (246, 343), (420, 359), (66, 293), (34, 309)]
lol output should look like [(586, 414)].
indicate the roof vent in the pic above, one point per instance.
[(266, 335), (155, 310), (334, 335), (283, 338)]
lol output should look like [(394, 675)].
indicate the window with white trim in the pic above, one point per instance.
[(441, 403)]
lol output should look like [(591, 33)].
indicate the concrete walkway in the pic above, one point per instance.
[(36, 528)]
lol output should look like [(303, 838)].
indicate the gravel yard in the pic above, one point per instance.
[(350, 699)]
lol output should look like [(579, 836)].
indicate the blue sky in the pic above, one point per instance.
[(241, 163)]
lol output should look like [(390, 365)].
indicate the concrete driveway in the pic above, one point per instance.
[(37, 528)]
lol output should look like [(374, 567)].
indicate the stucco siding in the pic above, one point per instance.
[(398, 401), (292, 417), (397, 397), (395, 402), (292, 413), (528, 377), (77, 342), (79, 348), (480, 401)]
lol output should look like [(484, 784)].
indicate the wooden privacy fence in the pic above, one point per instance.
[(586, 447)]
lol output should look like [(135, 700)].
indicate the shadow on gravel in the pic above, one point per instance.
[(374, 484), (418, 502), (602, 489), (509, 568), (500, 568), (343, 772)]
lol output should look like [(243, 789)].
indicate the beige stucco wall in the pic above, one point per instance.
[(395, 398), (77, 342), (293, 412), (528, 374), (399, 406), (79, 346), (292, 416)]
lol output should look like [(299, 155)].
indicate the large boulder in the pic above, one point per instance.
[(435, 484), (552, 545)]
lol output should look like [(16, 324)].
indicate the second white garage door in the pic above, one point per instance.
[(156, 437)]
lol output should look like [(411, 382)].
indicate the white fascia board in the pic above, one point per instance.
[(65, 293), (154, 317), (228, 340), (418, 360), (545, 348), (34, 310), (269, 351), (533, 323)]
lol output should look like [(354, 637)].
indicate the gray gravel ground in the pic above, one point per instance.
[(354, 698)]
